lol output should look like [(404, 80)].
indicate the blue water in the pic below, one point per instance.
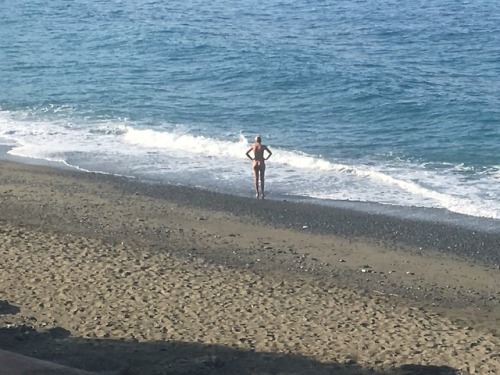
[(389, 103)]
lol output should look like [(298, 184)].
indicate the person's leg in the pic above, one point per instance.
[(256, 179), (262, 176)]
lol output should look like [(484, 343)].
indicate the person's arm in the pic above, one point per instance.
[(270, 153), (248, 153)]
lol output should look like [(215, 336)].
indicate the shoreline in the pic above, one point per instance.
[(72, 218), (431, 217)]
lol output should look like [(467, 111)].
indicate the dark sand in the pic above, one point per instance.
[(115, 276)]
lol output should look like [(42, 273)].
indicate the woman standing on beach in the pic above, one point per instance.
[(259, 165)]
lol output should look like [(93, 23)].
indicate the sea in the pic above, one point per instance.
[(387, 106)]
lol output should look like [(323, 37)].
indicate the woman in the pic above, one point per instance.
[(259, 165)]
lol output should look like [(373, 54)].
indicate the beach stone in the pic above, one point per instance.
[(7, 308)]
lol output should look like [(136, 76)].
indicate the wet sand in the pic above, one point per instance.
[(115, 276)]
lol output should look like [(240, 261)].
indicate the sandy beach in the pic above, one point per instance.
[(114, 276)]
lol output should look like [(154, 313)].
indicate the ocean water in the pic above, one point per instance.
[(386, 104)]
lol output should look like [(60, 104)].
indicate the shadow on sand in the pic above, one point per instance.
[(121, 357)]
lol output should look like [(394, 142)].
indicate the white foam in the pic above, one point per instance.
[(193, 144)]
